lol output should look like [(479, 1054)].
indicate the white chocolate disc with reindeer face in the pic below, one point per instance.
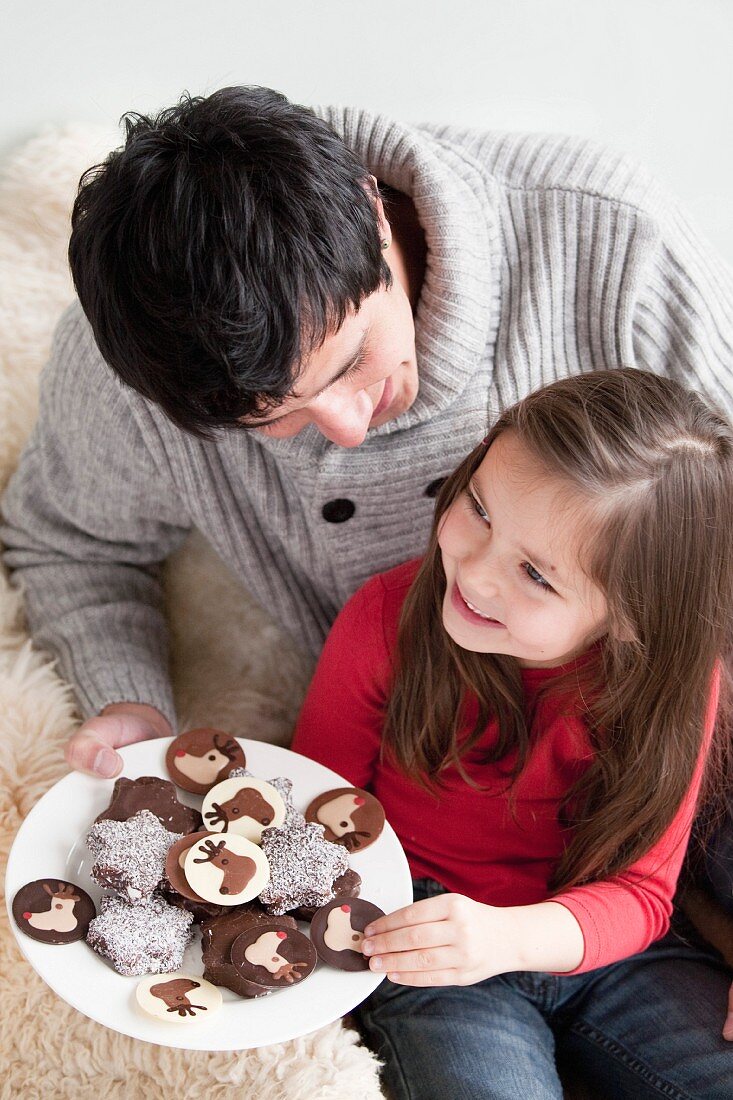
[(177, 998), (226, 869), (246, 806)]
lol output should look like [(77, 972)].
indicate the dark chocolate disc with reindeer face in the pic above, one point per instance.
[(226, 869), (349, 815), (337, 931), (53, 911), (272, 955), (199, 759)]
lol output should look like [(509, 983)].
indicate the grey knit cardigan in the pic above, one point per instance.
[(546, 256)]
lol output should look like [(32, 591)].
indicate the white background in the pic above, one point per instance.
[(649, 76)]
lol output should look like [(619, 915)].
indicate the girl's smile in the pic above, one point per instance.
[(510, 548), (470, 612)]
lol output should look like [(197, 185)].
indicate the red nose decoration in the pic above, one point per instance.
[(27, 916), (358, 800), (180, 752), (282, 935), (345, 908)]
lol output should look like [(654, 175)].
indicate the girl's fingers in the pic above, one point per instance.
[(422, 961), (420, 912), (413, 937)]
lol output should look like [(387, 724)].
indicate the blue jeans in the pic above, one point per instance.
[(645, 1027), (718, 860)]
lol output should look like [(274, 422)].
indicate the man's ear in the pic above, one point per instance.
[(385, 231)]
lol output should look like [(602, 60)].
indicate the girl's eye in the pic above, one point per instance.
[(476, 507), (536, 577)]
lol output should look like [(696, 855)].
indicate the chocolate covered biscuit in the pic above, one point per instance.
[(337, 932), (150, 792), (272, 955), (349, 815), (199, 759), (51, 910)]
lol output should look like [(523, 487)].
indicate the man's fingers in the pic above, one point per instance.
[(91, 749), (728, 1025), (93, 755)]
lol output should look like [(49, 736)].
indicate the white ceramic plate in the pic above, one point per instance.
[(50, 842)]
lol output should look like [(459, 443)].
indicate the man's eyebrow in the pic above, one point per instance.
[(352, 360), (535, 559)]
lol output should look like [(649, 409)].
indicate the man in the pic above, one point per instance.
[(290, 330)]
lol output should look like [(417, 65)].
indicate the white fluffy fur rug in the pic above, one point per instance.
[(231, 667)]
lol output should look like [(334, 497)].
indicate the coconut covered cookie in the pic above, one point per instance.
[(148, 938), (303, 867)]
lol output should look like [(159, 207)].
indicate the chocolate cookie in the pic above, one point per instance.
[(130, 855), (273, 955), (51, 910), (284, 788), (345, 886), (174, 870), (140, 939), (303, 866), (200, 910), (177, 998), (226, 871), (243, 805), (217, 937), (150, 792), (349, 815), (337, 930), (199, 759)]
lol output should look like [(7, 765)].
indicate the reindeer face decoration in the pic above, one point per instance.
[(200, 758), (337, 931), (246, 806), (53, 911), (273, 955), (349, 815), (177, 998), (229, 871)]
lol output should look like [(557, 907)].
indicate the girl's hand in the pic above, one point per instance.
[(444, 940), (451, 940)]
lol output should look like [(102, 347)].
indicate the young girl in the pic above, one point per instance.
[(533, 703)]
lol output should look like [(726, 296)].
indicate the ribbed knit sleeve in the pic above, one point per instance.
[(87, 521), (602, 268), (683, 316)]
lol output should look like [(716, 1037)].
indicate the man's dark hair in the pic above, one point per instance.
[(218, 248)]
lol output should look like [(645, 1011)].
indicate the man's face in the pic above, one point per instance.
[(362, 375)]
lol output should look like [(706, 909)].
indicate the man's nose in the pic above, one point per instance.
[(342, 418)]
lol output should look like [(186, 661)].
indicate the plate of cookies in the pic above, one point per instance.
[(213, 897)]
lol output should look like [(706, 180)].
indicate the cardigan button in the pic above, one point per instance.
[(338, 511), (435, 486)]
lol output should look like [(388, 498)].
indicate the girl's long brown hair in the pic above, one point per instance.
[(654, 463)]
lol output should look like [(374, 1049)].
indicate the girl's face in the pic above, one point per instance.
[(510, 548)]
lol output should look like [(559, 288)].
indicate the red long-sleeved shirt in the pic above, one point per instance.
[(472, 841)]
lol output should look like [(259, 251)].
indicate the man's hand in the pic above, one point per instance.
[(91, 749)]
